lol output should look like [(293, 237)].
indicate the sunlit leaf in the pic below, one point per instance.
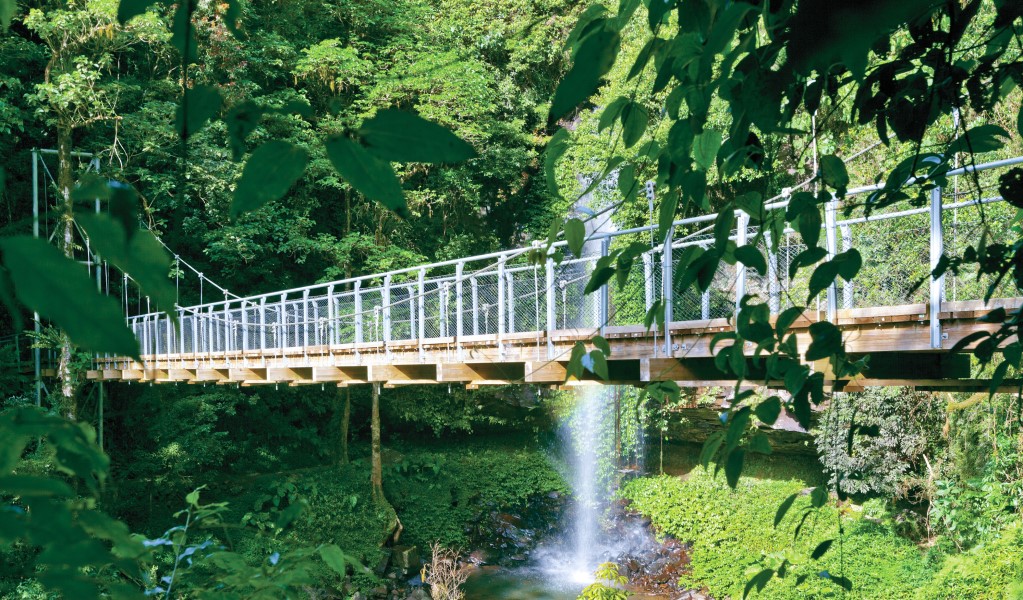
[(982, 138), (705, 148), (398, 135), (834, 174), (594, 58), (372, 177), (634, 121), (751, 256), (334, 558), (575, 235), (555, 150), (733, 466), (268, 175), (62, 291), (200, 104)]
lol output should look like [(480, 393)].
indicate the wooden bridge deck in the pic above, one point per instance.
[(898, 337)]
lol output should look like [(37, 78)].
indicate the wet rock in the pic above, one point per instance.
[(418, 594), (358, 596), (378, 592), (405, 560)]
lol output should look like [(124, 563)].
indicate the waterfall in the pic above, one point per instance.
[(585, 435)]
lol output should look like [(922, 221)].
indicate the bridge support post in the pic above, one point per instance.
[(604, 308), (741, 238), (831, 233), (773, 287), (421, 309), (305, 319), (210, 343), (552, 315), (385, 302), (459, 270), (937, 288), (667, 288), (181, 330), (262, 323), (358, 313), (500, 305), (510, 294), (475, 306), (331, 313), (245, 327)]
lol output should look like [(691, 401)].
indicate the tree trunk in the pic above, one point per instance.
[(346, 418), (377, 477), (65, 179)]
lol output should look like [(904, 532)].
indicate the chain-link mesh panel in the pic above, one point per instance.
[(344, 318), (527, 299), (896, 257), (487, 312), (963, 228), (573, 308), (372, 315)]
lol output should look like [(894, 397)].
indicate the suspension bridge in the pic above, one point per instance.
[(502, 318)]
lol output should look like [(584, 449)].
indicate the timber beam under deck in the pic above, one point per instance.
[(898, 338)]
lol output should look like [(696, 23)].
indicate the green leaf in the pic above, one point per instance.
[(848, 263), (723, 225), (611, 113), (826, 341), (666, 214), (142, 257), (738, 422), (575, 235), (126, 9), (334, 558), (787, 318), (969, 339), (705, 148), (203, 102), (733, 468), (182, 32), (834, 173), (268, 175), (398, 135), (819, 497), (823, 276), (783, 508), (601, 343), (594, 58), (62, 291), (32, 486), (555, 150), (768, 410), (751, 256), (821, 549), (760, 444), (599, 364), (711, 447), (982, 138), (370, 176), (575, 362), (8, 8), (634, 121), (810, 227)]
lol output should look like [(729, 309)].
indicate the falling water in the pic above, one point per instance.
[(584, 433)]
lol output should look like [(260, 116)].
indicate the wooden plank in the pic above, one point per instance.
[(248, 375), (340, 374), (289, 374), (394, 373), (182, 374), (545, 372), (211, 375)]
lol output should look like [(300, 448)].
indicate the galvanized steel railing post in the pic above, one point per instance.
[(210, 344), (831, 237), (331, 315), (358, 313), (245, 327), (475, 306), (459, 268), (281, 325), (500, 305), (305, 318), (181, 330), (773, 287), (422, 312), (195, 332), (937, 288), (667, 289), (386, 302), (603, 309), (552, 315), (510, 293), (262, 323), (741, 238)]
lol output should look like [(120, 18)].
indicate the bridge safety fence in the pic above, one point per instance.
[(506, 293)]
